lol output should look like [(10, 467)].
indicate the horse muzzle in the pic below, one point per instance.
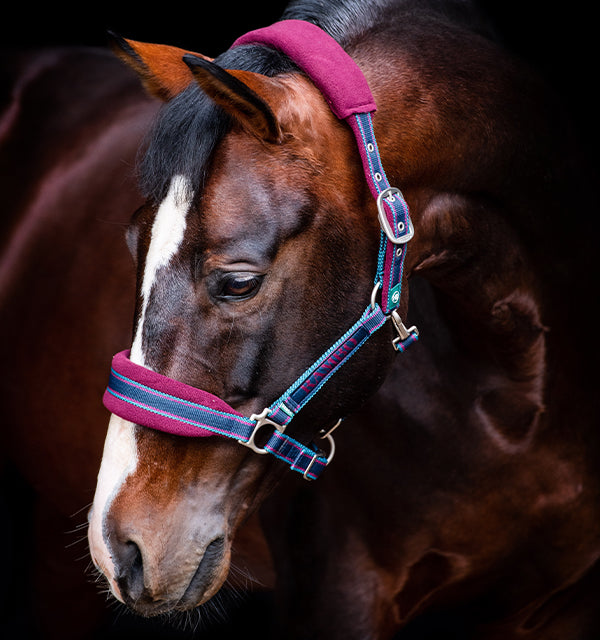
[(152, 574), (151, 583), (161, 543)]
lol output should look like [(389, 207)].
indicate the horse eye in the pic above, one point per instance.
[(239, 286)]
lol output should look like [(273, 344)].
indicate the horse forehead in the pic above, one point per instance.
[(253, 184), (166, 237), (256, 193)]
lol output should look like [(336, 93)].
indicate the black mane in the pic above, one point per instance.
[(190, 126), (348, 20)]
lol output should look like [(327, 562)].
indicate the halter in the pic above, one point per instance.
[(144, 397)]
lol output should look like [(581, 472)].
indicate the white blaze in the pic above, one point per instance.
[(119, 459), (167, 233)]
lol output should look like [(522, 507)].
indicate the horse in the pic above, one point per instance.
[(463, 481)]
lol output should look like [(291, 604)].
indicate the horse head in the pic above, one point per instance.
[(253, 255)]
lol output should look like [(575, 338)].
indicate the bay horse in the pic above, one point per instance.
[(464, 478)]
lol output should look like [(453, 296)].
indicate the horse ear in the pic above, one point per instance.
[(243, 94), (159, 66)]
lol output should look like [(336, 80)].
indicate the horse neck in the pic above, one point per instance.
[(486, 288)]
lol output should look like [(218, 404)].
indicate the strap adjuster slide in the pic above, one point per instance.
[(326, 436)]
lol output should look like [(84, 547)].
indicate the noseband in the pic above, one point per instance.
[(144, 397)]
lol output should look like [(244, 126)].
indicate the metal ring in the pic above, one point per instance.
[(335, 426), (374, 294), (329, 437)]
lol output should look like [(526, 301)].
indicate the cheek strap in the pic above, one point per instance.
[(347, 92)]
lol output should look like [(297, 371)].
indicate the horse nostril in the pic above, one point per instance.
[(130, 570)]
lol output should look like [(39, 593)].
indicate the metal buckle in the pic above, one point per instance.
[(325, 436), (389, 194), (261, 420), (401, 330)]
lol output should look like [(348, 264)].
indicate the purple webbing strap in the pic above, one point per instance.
[(145, 397), (310, 382), (347, 92)]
